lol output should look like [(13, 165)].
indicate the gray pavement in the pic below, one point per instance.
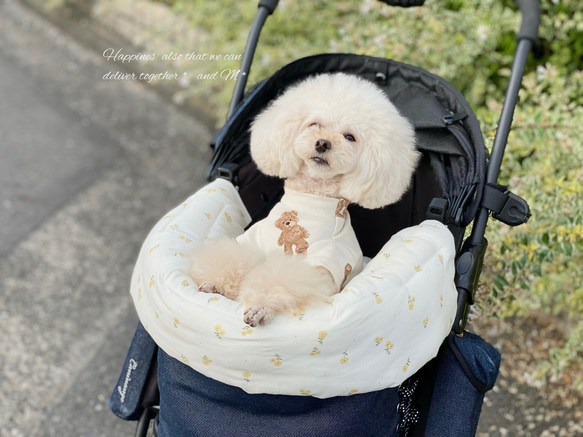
[(86, 169)]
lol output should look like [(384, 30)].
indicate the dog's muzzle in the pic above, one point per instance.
[(322, 146)]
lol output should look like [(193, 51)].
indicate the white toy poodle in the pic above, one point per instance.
[(336, 139)]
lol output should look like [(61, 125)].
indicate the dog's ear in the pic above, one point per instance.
[(273, 133), (386, 164)]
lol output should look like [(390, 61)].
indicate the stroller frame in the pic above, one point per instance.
[(504, 205), (491, 198)]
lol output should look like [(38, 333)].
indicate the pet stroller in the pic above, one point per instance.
[(455, 184)]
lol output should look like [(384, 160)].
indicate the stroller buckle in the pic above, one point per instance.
[(514, 212)]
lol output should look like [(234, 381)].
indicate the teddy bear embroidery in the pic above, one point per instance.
[(292, 234)]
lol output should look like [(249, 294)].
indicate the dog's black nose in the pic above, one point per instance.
[(323, 145)]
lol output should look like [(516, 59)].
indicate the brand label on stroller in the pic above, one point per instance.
[(132, 365)]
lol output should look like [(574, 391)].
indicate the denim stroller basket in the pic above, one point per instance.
[(455, 184)]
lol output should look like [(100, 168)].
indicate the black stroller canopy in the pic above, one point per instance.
[(447, 130)]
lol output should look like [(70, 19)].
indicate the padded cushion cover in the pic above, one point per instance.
[(379, 330)]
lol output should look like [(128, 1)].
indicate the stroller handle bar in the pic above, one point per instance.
[(404, 3), (530, 10)]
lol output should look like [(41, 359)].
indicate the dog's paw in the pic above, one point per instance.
[(257, 315), (207, 287)]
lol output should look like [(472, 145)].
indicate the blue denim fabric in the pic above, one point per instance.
[(194, 405), (126, 396), (468, 367)]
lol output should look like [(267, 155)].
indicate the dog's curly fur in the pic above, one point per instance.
[(332, 135)]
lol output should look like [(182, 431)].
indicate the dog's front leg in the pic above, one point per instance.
[(219, 266), (283, 284)]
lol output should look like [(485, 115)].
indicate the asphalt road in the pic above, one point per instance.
[(87, 167)]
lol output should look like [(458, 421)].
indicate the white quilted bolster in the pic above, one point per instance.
[(379, 330)]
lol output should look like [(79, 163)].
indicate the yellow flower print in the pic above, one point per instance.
[(406, 366), (184, 359), (300, 313), (208, 215), (219, 332), (440, 258), (213, 299), (376, 277), (345, 290), (247, 330), (321, 336), (441, 300), (425, 322), (353, 391), (156, 314), (139, 278), (140, 293), (185, 204), (153, 248), (206, 361), (418, 268), (378, 340), (387, 255), (388, 347), (345, 358), (247, 376), (176, 322), (228, 217), (305, 392), (174, 227), (152, 282), (211, 190), (185, 239), (411, 300), (277, 360), (179, 254), (185, 283), (315, 352), (378, 299)]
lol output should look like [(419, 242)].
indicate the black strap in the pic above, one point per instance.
[(495, 196)]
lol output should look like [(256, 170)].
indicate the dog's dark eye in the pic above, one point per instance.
[(349, 137), (314, 125)]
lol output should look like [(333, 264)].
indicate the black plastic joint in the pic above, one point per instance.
[(468, 268), (228, 171), (514, 212), (505, 206), (437, 209), (404, 3), (270, 5)]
